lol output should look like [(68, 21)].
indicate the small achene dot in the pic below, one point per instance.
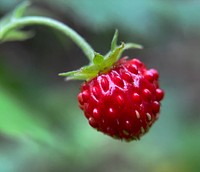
[(95, 92), (120, 100), (147, 94), (133, 69), (85, 95), (111, 113), (118, 81), (156, 107), (110, 131), (137, 114), (92, 122), (142, 130), (125, 132), (127, 77), (148, 116), (128, 125), (96, 113), (136, 98)]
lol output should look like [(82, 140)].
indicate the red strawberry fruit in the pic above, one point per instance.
[(120, 97), (124, 102)]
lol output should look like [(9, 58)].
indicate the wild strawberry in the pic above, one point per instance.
[(124, 102), (120, 97)]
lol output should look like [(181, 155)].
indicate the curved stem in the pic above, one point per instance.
[(25, 21)]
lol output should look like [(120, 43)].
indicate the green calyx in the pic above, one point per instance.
[(11, 30), (100, 64)]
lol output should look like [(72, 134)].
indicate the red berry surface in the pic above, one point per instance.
[(123, 102)]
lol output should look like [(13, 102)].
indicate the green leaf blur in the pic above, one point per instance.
[(41, 126)]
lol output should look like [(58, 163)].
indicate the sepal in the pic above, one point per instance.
[(100, 64)]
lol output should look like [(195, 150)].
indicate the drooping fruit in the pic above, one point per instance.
[(123, 102), (119, 97)]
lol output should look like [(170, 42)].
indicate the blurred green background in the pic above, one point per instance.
[(41, 126)]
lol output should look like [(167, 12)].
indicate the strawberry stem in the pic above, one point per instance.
[(11, 30), (37, 20)]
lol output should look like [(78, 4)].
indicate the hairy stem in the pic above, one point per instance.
[(26, 21)]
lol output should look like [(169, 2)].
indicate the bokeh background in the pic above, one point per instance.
[(41, 126)]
